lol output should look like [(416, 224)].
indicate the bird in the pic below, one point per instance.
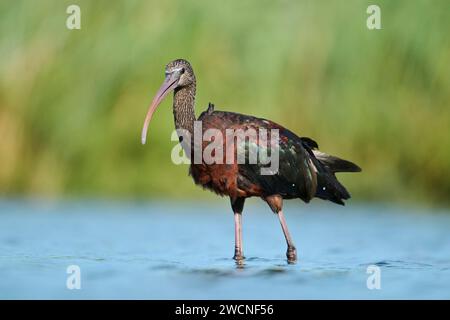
[(303, 172)]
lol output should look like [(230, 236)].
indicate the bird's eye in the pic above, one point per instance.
[(182, 70)]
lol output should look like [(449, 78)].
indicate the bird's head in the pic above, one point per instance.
[(178, 74)]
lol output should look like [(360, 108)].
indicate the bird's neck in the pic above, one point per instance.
[(183, 108)]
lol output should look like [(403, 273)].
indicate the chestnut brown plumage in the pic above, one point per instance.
[(304, 172)]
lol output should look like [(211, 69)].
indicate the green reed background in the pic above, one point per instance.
[(72, 103)]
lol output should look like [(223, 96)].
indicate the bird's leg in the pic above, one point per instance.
[(238, 206), (275, 203), (238, 236), (291, 251)]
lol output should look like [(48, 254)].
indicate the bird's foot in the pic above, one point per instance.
[(291, 255), (238, 256)]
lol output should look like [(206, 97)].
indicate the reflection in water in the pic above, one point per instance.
[(131, 251)]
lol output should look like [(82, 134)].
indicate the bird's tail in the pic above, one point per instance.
[(335, 164), (328, 186)]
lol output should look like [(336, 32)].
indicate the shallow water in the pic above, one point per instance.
[(183, 251)]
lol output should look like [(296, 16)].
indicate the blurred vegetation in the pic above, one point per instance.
[(72, 103)]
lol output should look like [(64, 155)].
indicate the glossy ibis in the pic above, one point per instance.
[(304, 172)]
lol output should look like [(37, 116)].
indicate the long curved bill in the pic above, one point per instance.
[(169, 84)]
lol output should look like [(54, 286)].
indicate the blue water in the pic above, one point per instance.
[(183, 251)]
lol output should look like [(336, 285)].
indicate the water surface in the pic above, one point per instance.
[(183, 251)]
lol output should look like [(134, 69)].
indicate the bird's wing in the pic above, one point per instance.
[(295, 175)]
